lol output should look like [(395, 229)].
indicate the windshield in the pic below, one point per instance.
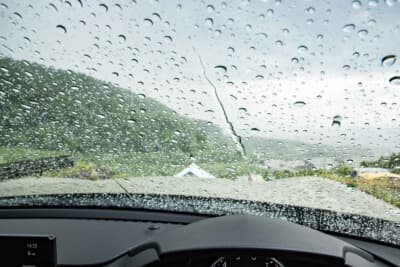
[(286, 102)]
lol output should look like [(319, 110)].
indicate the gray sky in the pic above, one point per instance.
[(276, 53)]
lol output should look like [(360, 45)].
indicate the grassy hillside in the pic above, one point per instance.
[(50, 109), (44, 109)]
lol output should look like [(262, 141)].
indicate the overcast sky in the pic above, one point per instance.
[(289, 67)]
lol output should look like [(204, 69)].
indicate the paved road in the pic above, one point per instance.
[(312, 192)]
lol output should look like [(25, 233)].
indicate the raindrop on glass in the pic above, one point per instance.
[(62, 28), (337, 121), (299, 104), (310, 10), (356, 4), (104, 6), (349, 27), (168, 38), (123, 37), (373, 3), (391, 2), (388, 60), (210, 8), (148, 22), (302, 48), (362, 33), (209, 22), (221, 67), (395, 80)]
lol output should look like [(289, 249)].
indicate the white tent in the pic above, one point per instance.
[(195, 171)]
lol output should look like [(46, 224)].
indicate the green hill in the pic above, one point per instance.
[(53, 109), (57, 110)]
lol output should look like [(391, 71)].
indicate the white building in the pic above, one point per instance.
[(193, 170)]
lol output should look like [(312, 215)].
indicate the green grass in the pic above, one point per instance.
[(10, 154)]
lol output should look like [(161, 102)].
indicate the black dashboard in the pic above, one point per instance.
[(119, 238)]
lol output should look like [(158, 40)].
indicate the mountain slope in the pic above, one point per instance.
[(44, 108)]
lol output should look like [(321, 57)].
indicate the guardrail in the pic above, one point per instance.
[(31, 167)]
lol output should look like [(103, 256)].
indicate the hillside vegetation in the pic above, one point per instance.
[(55, 110)]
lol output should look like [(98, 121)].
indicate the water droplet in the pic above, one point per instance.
[(231, 50), (391, 2), (217, 32), (242, 109), (337, 120), (53, 6), (116, 74), (279, 43), (356, 4), (302, 48), (295, 60), (349, 161), (299, 104), (349, 28), (310, 10), (388, 60), (168, 38), (62, 27), (254, 129), (259, 77), (346, 67), (17, 15), (221, 67), (148, 22), (123, 37), (371, 22), (156, 16), (373, 3), (362, 33), (210, 8), (68, 3), (209, 22), (395, 80), (4, 5), (104, 6)]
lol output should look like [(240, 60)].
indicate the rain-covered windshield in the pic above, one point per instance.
[(289, 102)]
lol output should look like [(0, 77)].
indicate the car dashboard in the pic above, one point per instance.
[(119, 238)]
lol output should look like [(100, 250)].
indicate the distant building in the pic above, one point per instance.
[(193, 170)]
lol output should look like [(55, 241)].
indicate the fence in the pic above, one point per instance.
[(37, 166)]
